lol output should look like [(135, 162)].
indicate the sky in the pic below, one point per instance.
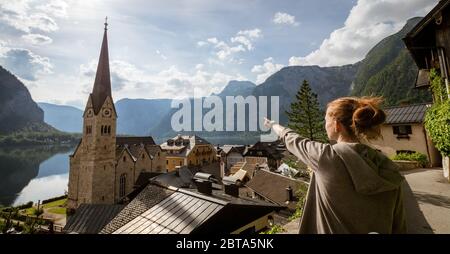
[(170, 48)]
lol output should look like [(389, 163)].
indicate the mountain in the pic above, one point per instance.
[(18, 111), (63, 118), (135, 116), (328, 82), (139, 116), (234, 88), (389, 70)]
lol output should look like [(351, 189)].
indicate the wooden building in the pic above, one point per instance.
[(429, 44)]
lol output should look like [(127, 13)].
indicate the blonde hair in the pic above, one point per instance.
[(361, 117)]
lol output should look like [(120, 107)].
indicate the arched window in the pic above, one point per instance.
[(124, 158), (109, 129), (122, 184), (101, 131)]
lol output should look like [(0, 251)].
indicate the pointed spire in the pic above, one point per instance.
[(102, 84)]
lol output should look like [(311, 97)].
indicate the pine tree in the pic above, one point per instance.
[(305, 117)]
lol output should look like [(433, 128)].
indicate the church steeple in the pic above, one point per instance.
[(102, 84)]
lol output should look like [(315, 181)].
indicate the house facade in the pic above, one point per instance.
[(184, 150), (404, 132)]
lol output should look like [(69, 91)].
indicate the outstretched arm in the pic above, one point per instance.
[(307, 151)]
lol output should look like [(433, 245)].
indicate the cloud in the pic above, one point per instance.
[(57, 8), (201, 43), (23, 17), (27, 16), (161, 55), (37, 39), (241, 42), (128, 80), (368, 23), (282, 18), (24, 63), (265, 70), (123, 74), (253, 34)]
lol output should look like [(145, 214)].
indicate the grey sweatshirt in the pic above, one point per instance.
[(354, 188)]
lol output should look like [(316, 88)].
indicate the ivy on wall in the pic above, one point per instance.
[(437, 118)]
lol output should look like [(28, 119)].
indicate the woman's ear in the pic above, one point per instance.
[(337, 126)]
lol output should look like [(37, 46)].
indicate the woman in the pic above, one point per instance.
[(354, 188)]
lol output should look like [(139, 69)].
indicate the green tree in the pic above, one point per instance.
[(306, 117)]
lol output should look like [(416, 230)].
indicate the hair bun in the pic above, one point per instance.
[(368, 116)]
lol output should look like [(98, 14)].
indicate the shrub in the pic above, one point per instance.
[(275, 229), (419, 157), (25, 206), (437, 123), (53, 199)]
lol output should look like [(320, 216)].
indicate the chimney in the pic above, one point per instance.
[(177, 170), (289, 194), (204, 182), (230, 186), (204, 187), (231, 189)]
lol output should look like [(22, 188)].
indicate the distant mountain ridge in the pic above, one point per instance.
[(235, 87), (62, 117)]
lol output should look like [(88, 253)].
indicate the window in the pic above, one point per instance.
[(181, 163), (122, 184), (124, 158), (143, 156), (402, 131), (105, 129), (167, 162), (88, 129)]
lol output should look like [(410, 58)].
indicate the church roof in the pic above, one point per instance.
[(148, 140), (102, 83), (152, 149), (135, 145)]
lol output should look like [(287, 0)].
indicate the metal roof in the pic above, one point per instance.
[(169, 210), (406, 114), (179, 213), (273, 186), (91, 218)]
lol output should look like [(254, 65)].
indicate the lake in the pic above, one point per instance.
[(33, 173)]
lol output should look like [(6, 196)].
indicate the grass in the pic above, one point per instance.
[(59, 202), (57, 210), (52, 207)]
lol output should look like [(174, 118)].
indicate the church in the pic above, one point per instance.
[(104, 167)]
